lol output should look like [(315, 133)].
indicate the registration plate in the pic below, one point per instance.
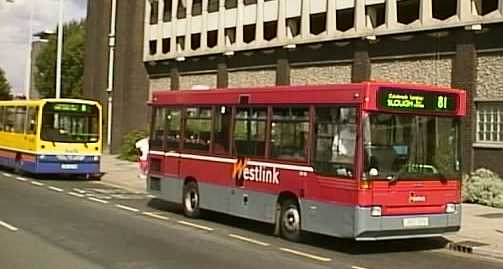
[(68, 166), (415, 222)]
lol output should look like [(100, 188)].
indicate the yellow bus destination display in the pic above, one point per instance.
[(410, 100), (67, 107)]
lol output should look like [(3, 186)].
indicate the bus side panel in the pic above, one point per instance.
[(7, 158), (328, 218)]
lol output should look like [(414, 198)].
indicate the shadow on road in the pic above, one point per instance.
[(315, 240)]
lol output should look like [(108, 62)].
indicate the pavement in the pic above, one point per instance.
[(481, 229)]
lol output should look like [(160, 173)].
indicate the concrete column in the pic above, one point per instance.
[(222, 73), (391, 13), (160, 27), (160, 17), (360, 18), (464, 10), (282, 68), (425, 12), (361, 62), (174, 77), (281, 20), (188, 25), (464, 76), (500, 7), (305, 20), (174, 20), (331, 17), (239, 23), (259, 29), (221, 24), (148, 10), (204, 25)]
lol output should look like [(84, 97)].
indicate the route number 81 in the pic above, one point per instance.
[(442, 102)]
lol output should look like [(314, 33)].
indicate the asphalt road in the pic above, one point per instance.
[(81, 224)]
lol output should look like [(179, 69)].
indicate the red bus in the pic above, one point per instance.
[(368, 161)]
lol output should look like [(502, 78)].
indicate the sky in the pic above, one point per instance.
[(15, 28)]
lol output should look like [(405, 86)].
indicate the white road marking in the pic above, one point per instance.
[(55, 189), (21, 179), (36, 183), (76, 194), (7, 174), (79, 190), (8, 226), (253, 241), (97, 200), (195, 225), (358, 267), (306, 255), (132, 209), (153, 215)]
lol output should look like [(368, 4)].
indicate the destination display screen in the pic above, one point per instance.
[(418, 101), (69, 107)]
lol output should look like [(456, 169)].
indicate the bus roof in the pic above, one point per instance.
[(297, 94), (36, 102)]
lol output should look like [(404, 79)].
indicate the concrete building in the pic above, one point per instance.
[(181, 44)]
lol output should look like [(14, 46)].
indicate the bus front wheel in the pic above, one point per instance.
[(290, 220), (191, 200)]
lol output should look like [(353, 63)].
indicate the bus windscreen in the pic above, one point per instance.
[(390, 99), (70, 123)]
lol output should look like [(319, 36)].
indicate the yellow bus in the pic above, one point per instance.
[(51, 136)]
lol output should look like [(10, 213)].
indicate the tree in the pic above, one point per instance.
[(72, 66), (4, 87)]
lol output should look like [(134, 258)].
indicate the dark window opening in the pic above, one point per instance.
[(198, 129), (289, 133), (181, 12), (180, 43), (167, 13), (407, 11), (195, 41), (154, 11), (270, 30), (166, 45), (249, 132), (376, 15), (212, 37), (318, 23), (444, 9), (197, 7), (485, 7), (231, 4), (213, 5), (249, 33), (230, 36), (152, 47), (293, 27), (250, 2), (345, 19)]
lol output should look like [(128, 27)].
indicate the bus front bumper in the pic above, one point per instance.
[(370, 228)]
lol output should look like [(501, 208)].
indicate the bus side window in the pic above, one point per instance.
[(249, 131), (198, 129), (9, 118), (1, 118), (222, 130), (335, 141), (31, 127), (289, 133), (158, 129)]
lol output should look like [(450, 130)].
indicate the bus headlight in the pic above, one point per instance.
[(376, 211), (42, 157), (450, 208), (96, 158)]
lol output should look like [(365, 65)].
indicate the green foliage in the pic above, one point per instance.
[(72, 65), (483, 187), (128, 150), (4, 87)]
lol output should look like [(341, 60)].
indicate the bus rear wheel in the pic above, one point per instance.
[(191, 200), (290, 221)]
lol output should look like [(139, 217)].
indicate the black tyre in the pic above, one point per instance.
[(290, 221), (191, 200)]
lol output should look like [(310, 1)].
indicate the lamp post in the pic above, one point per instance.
[(111, 57), (60, 50)]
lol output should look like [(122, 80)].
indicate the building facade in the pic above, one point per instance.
[(183, 44)]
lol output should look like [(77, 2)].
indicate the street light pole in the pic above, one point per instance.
[(60, 50), (28, 74), (111, 57)]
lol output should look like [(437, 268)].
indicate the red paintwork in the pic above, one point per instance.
[(394, 197)]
